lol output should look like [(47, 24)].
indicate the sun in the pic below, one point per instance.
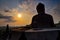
[(19, 15)]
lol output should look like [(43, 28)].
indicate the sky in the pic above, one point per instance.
[(20, 12)]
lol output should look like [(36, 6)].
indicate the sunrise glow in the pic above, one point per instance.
[(19, 15)]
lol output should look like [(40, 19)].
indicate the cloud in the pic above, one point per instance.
[(28, 6), (6, 10), (8, 18), (57, 9), (56, 13)]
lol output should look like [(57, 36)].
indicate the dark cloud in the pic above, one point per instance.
[(6, 10), (5, 17), (8, 18)]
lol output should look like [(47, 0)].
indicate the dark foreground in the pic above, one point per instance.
[(50, 35), (45, 34)]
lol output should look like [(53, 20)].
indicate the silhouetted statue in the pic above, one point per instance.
[(42, 20)]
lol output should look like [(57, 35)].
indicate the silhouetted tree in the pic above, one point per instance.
[(6, 34)]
